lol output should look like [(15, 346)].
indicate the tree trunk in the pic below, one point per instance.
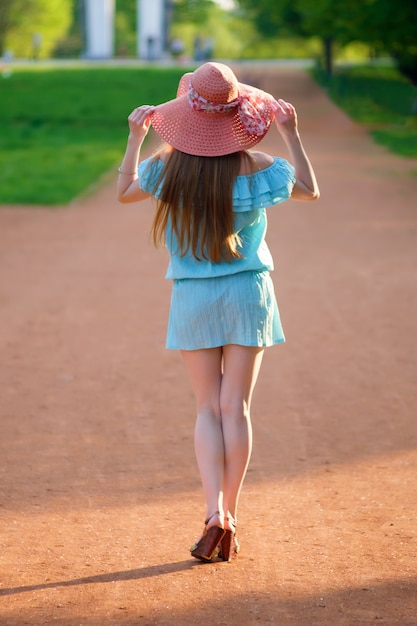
[(328, 55)]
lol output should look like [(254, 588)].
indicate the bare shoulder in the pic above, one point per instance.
[(164, 153), (262, 159), (255, 161)]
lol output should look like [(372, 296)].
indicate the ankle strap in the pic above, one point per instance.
[(211, 516)]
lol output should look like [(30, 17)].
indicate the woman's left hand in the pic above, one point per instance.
[(285, 116), (140, 121)]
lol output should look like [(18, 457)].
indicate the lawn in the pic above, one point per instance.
[(380, 98), (63, 128)]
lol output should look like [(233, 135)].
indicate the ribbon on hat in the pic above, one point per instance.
[(251, 108), (253, 114)]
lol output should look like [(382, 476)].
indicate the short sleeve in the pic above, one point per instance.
[(267, 187), (148, 174)]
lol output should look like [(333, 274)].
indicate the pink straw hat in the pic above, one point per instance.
[(213, 114)]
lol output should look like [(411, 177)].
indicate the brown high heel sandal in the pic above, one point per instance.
[(229, 538), (208, 546)]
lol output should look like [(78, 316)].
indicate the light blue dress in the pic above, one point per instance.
[(215, 304)]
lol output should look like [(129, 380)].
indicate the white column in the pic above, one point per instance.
[(99, 28), (151, 15)]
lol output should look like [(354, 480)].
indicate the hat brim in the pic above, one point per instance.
[(205, 134)]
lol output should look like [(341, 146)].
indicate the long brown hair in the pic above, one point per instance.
[(195, 195)]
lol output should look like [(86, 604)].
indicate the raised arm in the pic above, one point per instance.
[(306, 187), (128, 189)]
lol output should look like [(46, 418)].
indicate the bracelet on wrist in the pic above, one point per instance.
[(125, 173)]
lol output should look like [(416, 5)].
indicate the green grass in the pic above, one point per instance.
[(380, 98), (63, 128)]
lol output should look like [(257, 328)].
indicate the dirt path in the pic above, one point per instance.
[(99, 493)]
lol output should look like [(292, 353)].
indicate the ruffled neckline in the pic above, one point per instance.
[(271, 185)]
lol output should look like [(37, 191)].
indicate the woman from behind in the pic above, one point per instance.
[(212, 191)]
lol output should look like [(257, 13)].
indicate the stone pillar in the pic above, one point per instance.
[(99, 20), (151, 29)]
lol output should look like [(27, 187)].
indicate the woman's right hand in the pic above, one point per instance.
[(140, 121)]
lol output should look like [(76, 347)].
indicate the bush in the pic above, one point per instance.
[(379, 97)]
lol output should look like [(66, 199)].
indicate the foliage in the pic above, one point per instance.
[(223, 34), (392, 26), (192, 11), (234, 36), (371, 93), (74, 129), (379, 97), (386, 25), (272, 18), (301, 18), (125, 27), (6, 22), (72, 44), (32, 29), (205, 29), (257, 47)]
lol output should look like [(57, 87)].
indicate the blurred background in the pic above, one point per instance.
[(84, 64), (228, 29)]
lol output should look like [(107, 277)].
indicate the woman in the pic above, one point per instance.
[(212, 192)]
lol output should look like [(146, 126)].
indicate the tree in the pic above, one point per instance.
[(297, 17), (33, 27), (388, 26), (273, 17), (391, 26), (7, 22), (322, 19)]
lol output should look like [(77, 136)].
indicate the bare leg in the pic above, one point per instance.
[(241, 365), (205, 371), (223, 380)]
